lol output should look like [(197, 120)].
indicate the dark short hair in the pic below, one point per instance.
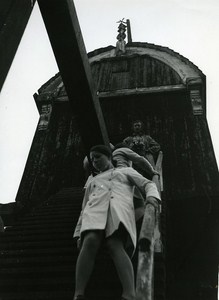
[(102, 149), (138, 121)]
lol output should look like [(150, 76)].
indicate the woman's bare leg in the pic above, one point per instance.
[(123, 266), (86, 259)]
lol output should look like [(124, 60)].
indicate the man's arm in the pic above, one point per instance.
[(153, 146)]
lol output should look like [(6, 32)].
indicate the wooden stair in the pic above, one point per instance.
[(38, 255)]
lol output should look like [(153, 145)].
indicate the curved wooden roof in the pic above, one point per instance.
[(158, 69), (184, 68)]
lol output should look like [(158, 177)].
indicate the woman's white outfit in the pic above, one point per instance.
[(108, 201)]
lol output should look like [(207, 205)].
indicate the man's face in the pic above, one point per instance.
[(137, 127)]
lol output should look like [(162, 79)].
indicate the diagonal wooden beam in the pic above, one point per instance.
[(64, 32), (14, 15)]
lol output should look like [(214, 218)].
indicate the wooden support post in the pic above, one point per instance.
[(64, 32), (14, 17), (158, 180), (147, 242), (144, 280)]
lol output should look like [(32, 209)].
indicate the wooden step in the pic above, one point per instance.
[(38, 256)]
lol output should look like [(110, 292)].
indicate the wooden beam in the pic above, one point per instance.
[(141, 91), (14, 15), (64, 32), (144, 280)]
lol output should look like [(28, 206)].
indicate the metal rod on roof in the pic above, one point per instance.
[(129, 31)]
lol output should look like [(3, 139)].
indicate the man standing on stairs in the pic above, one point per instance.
[(142, 143), (108, 217)]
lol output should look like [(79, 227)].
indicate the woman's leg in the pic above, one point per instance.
[(86, 259), (123, 266)]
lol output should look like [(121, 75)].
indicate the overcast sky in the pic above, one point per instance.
[(190, 27)]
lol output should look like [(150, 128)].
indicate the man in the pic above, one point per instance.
[(141, 143)]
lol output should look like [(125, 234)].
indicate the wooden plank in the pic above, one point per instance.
[(141, 91), (158, 180), (68, 46), (144, 280), (14, 15), (146, 244)]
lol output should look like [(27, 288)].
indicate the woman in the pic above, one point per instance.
[(107, 216)]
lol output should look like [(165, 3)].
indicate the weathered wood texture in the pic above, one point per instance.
[(55, 160), (190, 185), (149, 242), (38, 255), (189, 160), (69, 50), (190, 174), (189, 163), (144, 279), (132, 72), (189, 170), (14, 15)]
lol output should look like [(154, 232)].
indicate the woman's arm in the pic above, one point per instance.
[(146, 186), (85, 200)]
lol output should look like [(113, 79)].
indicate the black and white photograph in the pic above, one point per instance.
[(109, 150)]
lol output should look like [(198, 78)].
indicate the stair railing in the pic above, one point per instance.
[(149, 242)]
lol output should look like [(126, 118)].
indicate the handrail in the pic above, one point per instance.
[(158, 179), (149, 237)]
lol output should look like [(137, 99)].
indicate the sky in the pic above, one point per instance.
[(189, 27)]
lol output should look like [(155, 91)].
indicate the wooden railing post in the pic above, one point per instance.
[(144, 280), (146, 243), (158, 179)]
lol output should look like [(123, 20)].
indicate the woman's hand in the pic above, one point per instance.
[(153, 201), (79, 243), (156, 173)]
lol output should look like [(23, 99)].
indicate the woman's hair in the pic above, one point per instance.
[(102, 149)]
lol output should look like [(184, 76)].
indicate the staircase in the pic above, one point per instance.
[(38, 256)]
